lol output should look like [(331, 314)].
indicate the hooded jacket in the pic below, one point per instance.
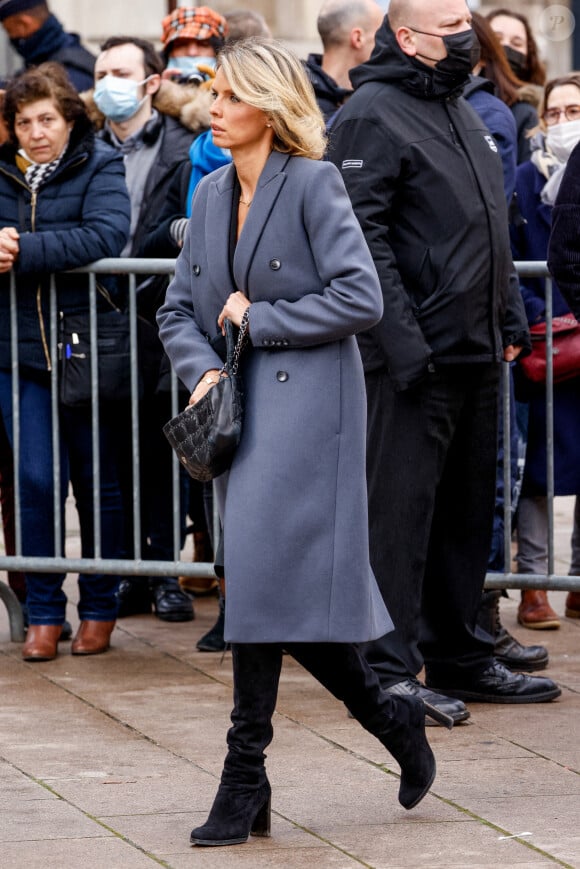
[(51, 42), (425, 179), (329, 95), (78, 215)]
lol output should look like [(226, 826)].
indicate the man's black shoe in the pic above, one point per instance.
[(515, 656), (507, 650), (495, 684), (134, 596), (450, 706), (171, 604)]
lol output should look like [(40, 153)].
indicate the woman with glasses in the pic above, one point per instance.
[(537, 184)]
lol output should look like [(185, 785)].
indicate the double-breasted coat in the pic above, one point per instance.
[(294, 501)]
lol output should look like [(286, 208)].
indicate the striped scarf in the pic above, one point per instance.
[(36, 173)]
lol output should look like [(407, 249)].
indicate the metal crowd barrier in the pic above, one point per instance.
[(137, 566), (550, 580)]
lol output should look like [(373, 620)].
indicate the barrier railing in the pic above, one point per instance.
[(549, 580), (139, 566)]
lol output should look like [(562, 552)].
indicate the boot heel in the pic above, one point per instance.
[(262, 821), (438, 716)]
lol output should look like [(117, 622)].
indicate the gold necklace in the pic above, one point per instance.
[(247, 203)]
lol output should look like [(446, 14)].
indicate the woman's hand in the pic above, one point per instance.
[(209, 379), (234, 309), (9, 248)]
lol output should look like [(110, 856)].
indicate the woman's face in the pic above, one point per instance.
[(234, 124), (41, 130), (511, 32), (561, 99)]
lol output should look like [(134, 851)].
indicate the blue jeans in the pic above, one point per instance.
[(45, 596)]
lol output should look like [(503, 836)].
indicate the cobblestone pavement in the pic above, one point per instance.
[(109, 761)]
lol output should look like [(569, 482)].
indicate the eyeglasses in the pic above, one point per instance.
[(552, 116)]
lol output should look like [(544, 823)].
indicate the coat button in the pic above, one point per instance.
[(282, 376), (275, 264), (196, 269)]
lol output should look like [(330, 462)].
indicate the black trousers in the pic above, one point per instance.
[(431, 483)]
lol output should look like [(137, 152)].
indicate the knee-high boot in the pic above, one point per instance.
[(397, 721), (242, 803)]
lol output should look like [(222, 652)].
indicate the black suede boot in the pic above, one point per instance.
[(397, 721), (242, 803), (507, 650)]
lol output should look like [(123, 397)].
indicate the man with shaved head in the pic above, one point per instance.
[(347, 31), (425, 179)]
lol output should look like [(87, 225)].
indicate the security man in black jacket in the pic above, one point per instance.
[(425, 179)]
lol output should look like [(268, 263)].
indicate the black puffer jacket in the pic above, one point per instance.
[(79, 214), (425, 179)]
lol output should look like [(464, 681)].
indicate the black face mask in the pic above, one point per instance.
[(463, 52), (517, 61)]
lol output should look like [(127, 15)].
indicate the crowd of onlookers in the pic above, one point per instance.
[(101, 158)]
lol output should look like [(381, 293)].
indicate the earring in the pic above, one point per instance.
[(268, 125)]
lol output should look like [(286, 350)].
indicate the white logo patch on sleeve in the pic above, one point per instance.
[(491, 142), (352, 164)]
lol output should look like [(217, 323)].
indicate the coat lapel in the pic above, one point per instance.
[(269, 186), (217, 231)]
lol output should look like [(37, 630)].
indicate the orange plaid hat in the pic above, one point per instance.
[(193, 22)]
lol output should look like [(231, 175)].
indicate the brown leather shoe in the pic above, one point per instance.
[(535, 612), (92, 638), (41, 642), (573, 605)]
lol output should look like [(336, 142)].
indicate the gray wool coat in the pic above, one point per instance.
[(294, 503)]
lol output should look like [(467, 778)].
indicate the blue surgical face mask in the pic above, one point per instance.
[(190, 65), (117, 98)]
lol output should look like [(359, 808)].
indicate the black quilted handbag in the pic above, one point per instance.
[(205, 435)]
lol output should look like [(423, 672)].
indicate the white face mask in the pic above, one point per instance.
[(189, 66), (117, 98), (561, 139)]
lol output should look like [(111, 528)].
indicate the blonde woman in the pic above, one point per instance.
[(273, 240)]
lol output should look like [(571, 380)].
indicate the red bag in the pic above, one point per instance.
[(566, 352)]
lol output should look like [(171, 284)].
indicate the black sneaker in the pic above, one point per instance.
[(495, 684)]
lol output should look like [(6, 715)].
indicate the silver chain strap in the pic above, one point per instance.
[(240, 344)]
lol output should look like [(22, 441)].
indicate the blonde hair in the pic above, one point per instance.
[(266, 75)]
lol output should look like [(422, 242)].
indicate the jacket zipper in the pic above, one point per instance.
[(493, 317), (43, 338)]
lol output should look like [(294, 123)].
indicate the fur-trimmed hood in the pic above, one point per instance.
[(188, 104)]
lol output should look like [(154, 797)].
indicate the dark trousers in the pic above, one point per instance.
[(431, 484)]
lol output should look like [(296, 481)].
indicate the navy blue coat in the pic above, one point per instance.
[(530, 242), (80, 214)]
